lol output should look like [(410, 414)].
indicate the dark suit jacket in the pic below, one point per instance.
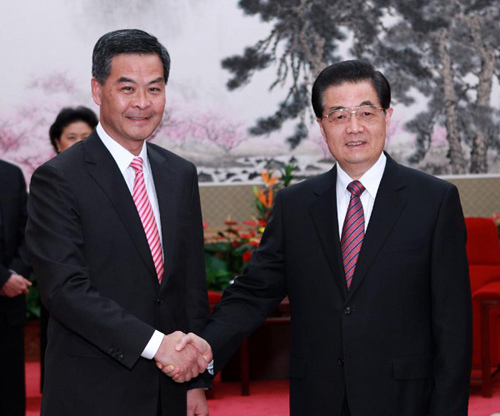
[(399, 342), (13, 254), (99, 283)]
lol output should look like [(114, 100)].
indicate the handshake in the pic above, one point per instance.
[(182, 356)]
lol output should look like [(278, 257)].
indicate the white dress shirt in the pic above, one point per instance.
[(370, 180), (123, 159)]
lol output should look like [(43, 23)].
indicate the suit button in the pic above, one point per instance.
[(348, 310), (341, 362), (111, 350), (159, 301), (121, 357)]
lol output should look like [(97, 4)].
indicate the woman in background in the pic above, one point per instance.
[(71, 126)]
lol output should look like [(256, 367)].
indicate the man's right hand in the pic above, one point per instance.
[(189, 341), (181, 365), (15, 286)]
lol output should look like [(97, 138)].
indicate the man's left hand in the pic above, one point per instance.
[(196, 403), (15, 286)]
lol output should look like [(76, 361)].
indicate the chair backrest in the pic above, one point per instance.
[(482, 241), (483, 251)]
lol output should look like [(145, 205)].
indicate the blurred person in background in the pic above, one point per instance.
[(14, 285), (71, 126)]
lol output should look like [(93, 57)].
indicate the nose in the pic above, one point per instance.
[(141, 100), (353, 124)]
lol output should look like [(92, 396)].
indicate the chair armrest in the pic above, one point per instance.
[(489, 292)]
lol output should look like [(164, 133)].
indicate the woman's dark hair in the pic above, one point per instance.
[(70, 115)]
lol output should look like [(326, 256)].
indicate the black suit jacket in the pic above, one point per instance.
[(398, 343), (98, 280), (13, 254)]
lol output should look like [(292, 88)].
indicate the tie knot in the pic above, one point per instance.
[(137, 164), (356, 188)]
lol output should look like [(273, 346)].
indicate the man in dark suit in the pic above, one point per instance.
[(372, 257), (116, 239), (14, 285)]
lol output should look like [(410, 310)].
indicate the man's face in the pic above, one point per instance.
[(132, 99), (357, 144)]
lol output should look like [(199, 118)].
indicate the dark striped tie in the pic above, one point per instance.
[(353, 231)]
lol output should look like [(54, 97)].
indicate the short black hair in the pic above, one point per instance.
[(353, 71), (70, 115), (133, 41)]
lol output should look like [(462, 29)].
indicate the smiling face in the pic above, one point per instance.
[(132, 99), (356, 145)]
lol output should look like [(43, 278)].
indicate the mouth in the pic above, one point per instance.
[(138, 118), (354, 144)]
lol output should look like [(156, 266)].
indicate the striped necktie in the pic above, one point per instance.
[(140, 197), (353, 231)]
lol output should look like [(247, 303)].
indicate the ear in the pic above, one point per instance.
[(388, 117), (321, 128), (96, 91), (58, 145)]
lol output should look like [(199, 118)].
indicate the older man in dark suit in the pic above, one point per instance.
[(116, 239), (372, 257), (14, 285)]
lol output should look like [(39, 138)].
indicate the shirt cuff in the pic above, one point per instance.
[(153, 345), (210, 368)]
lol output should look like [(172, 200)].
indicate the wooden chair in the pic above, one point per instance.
[(483, 252), (281, 316)]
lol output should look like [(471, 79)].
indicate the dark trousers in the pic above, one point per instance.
[(345, 408), (44, 323), (12, 380)]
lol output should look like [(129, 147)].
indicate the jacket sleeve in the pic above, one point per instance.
[(451, 310), (247, 302)]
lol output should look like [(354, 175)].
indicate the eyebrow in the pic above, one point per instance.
[(125, 79), (129, 80), (340, 107)]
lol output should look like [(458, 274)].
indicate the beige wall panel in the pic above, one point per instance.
[(480, 197)]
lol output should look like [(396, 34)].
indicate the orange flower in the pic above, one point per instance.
[(267, 178), (265, 197)]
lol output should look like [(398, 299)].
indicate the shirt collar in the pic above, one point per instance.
[(371, 178), (122, 156)]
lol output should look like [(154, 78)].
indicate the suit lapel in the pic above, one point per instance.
[(388, 206), (324, 215), (166, 191), (103, 168)]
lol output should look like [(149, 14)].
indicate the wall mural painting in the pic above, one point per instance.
[(238, 101)]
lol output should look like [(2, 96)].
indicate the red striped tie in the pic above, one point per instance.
[(353, 231), (146, 214)]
